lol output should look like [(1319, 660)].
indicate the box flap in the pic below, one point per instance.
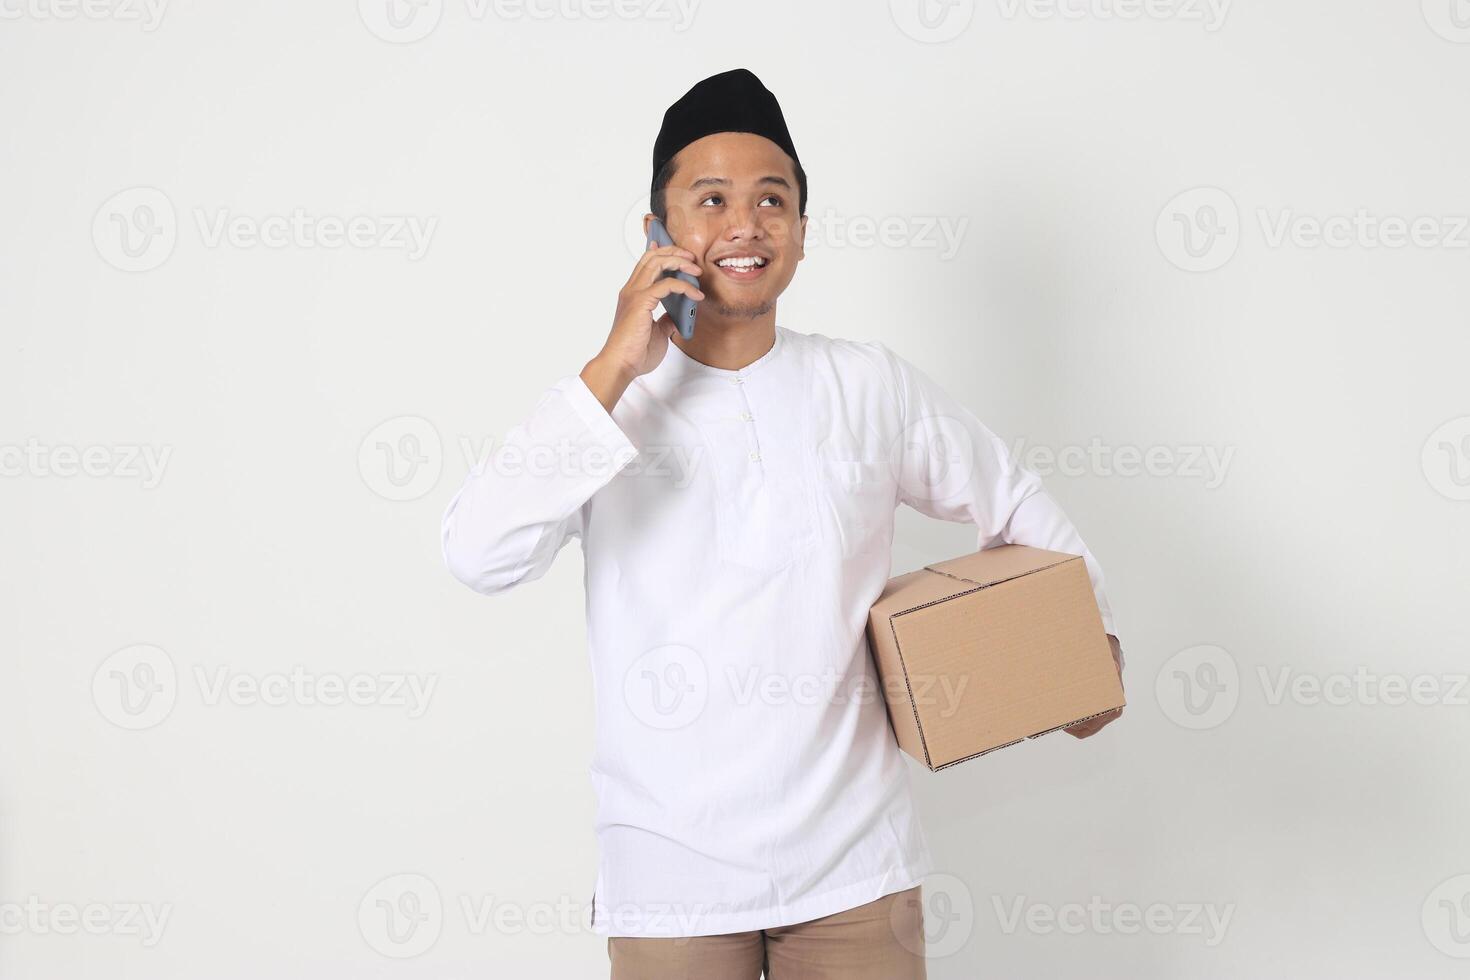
[(917, 588), (995, 565)]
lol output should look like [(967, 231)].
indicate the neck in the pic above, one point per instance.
[(728, 344)]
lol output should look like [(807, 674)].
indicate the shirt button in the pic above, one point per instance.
[(755, 457), (737, 380), (746, 416)]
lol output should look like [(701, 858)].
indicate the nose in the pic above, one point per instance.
[(741, 224)]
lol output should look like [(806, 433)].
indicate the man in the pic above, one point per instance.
[(734, 495)]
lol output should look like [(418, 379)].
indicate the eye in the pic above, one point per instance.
[(773, 197), (711, 197)]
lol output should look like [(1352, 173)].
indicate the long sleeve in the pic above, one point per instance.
[(515, 510), (955, 469)]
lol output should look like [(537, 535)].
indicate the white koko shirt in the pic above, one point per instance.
[(736, 527)]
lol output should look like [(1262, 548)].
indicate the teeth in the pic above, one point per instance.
[(742, 263)]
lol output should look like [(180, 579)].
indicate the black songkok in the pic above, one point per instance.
[(731, 102)]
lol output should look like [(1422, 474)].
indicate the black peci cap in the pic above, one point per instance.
[(734, 101)]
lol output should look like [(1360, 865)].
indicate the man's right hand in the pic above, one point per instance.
[(637, 342)]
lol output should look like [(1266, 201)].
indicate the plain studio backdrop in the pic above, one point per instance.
[(273, 275)]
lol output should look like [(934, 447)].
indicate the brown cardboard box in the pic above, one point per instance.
[(990, 649)]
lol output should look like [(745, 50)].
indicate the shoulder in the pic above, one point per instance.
[(853, 361)]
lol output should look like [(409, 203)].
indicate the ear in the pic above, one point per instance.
[(647, 226), (801, 241)]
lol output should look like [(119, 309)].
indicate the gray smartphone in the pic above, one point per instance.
[(680, 307)]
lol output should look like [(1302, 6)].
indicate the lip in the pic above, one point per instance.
[(744, 275)]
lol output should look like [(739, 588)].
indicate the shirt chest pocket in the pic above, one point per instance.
[(858, 498)]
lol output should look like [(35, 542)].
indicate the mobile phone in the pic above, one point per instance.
[(680, 308)]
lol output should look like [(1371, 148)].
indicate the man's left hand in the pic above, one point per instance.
[(1094, 725)]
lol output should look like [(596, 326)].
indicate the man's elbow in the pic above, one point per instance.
[(473, 568)]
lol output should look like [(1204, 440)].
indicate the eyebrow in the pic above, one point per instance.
[(723, 182)]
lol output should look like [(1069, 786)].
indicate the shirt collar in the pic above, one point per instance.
[(682, 361)]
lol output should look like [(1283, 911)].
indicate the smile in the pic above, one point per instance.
[(743, 268)]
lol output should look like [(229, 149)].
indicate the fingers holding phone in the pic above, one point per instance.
[(638, 343)]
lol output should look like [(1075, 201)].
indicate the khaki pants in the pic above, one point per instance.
[(882, 940)]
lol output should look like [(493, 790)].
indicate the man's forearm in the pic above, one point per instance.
[(606, 380)]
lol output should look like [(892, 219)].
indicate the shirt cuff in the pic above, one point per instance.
[(599, 423)]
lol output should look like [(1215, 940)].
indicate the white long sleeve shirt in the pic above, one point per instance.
[(737, 527)]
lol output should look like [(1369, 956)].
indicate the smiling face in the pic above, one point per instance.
[(734, 202)]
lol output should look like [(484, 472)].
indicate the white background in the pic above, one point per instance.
[(1333, 544)]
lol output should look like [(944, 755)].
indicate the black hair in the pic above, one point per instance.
[(658, 205)]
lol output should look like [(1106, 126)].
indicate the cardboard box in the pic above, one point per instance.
[(990, 649)]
